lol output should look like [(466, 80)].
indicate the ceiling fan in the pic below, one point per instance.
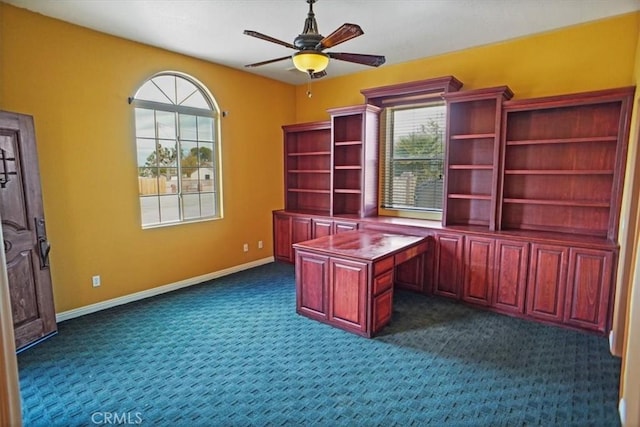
[(310, 57)]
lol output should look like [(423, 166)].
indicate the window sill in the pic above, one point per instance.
[(173, 224)]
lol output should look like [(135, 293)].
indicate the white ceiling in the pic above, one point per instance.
[(401, 30)]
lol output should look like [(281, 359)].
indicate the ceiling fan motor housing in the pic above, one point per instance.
[(307, 41)]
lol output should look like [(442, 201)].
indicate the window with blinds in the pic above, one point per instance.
[(413, 175)]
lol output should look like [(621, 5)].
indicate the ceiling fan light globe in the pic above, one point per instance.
[(310, 61)]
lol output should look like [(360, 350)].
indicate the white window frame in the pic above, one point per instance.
[(205, 193)]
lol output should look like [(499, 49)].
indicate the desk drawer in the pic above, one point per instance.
[(382, 266), (383, 282), (410, 253)]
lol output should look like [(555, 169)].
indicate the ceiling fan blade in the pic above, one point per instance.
[(341, 35), (318, 75), (257, 64), (371, 60), (268, 38)]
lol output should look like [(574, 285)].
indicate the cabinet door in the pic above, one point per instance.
[(321, 227), (300, 229), (312, 278), (478, 270), (282, 238), (511, 261), (348, 294), (547, 282), (588, 288), (448, 265)]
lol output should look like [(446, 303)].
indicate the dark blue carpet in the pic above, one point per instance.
[(233, 352)]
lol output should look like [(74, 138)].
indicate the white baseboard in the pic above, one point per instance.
[(622, 410), (92, 308)]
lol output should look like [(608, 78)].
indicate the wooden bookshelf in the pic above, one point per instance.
[(307, 159), (473, 138), (563, 163), (355, 160)]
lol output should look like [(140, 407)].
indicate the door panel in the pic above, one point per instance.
[(547, 280), (282, 238), (25, 242), (588, 288), (300, 229), (448, 265), (321, 228), (347, 294), (512, 259), (478, 270), (312, 275)]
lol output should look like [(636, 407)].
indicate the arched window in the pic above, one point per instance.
[(178, 150)]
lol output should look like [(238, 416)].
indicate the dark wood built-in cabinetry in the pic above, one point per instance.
[(563, 163), (510, 275), (355, 160), (532, 200), (307, 166), (331, 167), (447, 267), (473, 148)]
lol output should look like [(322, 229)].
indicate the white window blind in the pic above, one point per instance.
[(414, 157)]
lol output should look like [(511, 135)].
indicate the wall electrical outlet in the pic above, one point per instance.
[(245, 247), (260, 245), (95, 280)]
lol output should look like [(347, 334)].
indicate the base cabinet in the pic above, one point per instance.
[(282, 250), (448, 265), (566, 284), (300, 230), (547, 282), (510, 276), (321, 227), (588, 288), (478, 270), (288, 230)]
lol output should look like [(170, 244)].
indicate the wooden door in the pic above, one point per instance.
[(25, 241)]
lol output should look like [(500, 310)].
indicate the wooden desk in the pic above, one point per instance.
[(346, 279)]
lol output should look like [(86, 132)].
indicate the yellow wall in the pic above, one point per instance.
[(75, 82), (585, 57)]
